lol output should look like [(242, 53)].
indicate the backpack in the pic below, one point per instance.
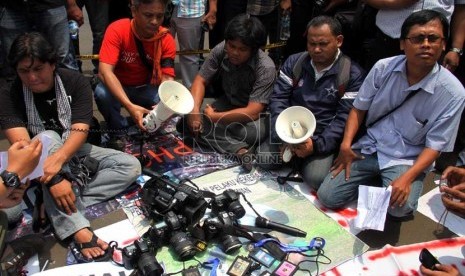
[(343, 75)]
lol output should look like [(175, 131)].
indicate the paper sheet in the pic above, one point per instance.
[(372, 207), (39, 170)]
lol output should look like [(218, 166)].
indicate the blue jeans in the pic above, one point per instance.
[(52, 23), (110, 107), (336, 192), (314, 168), (116, 171)]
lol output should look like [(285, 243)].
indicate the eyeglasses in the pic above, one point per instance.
[(421, 38)]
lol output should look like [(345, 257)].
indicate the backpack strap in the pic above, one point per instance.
[(343, 75), (297, 68)]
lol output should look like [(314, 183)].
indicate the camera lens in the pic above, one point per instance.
[(148, 265), (236, 208), (230, 243), (183, 246)]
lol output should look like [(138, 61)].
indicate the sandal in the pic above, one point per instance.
[(80, 258)]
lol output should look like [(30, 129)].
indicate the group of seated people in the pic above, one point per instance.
[(383, 128)]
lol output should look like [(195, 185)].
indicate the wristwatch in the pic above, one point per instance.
[(457, 50), (10, 179)]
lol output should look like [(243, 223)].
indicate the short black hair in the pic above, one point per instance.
[(249, 30), (31, 45), (421, 18), (334, 25)]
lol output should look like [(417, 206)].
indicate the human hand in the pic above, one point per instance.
[(75, 13), (343, 162), (441, 270), (303, 149), (52, 165), (210, 18), (285, 5), (453, 199), (195, 124), (23, 157), (211, 113), (15, 197), (137, 113), (64, 196), (400, 192), (454, 175), (451, 61)]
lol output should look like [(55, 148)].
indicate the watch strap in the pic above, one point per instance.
[(457, 50)]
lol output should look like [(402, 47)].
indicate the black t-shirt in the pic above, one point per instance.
[(32, 5), (78, 90)]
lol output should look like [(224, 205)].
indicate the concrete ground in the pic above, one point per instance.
[(420, 229)]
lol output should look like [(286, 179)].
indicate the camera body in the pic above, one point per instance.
[(172, 231), (214, 229), (159, 196), (228, 201), (140, 255)]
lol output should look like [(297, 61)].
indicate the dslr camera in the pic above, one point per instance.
[(159, 196), (172, 231), (141, 256), (226, 208)]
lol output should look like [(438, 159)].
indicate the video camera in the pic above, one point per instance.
[(172, 231), (160, 195), (141, 255)]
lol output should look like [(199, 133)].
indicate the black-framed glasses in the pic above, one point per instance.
[(419, 39)]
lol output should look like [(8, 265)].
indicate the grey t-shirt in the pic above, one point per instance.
[(252, 81)]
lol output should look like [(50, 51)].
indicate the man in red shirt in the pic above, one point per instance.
[(136, 56)]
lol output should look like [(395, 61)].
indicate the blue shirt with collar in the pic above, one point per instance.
[(430, 118)]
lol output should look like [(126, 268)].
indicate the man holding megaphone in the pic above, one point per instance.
[(245, 77), (317, 80), (136, 56)]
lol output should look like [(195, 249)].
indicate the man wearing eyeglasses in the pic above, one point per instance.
[(412, 108)]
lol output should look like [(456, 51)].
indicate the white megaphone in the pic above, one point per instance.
[(295, 124), (175, 98)]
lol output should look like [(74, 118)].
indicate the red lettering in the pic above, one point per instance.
[(182, 149), (164, 152)]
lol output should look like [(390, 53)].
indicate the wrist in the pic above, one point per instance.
[(456, 50)]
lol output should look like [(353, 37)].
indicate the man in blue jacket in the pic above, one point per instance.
[(317, 88)]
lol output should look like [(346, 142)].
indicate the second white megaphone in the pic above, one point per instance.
[(295, 124), (175, 98)]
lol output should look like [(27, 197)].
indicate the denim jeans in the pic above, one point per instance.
[(110, 107), (52, 23), (97, 11), (337, 192), (313, 168), (116, 171)]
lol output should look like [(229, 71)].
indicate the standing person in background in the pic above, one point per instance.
[(137, 55), (97, 11), (389, 20), (267, 11), (186, 22), (226, 10), (49, 17)]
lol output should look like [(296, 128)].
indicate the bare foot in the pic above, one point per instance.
[(84, 236)]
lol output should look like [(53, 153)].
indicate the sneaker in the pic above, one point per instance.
[(19, 251)]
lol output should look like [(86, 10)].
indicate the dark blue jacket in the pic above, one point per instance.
[(320, 97)]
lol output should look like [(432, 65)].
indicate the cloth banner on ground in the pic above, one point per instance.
[(279, 203), (403, 260)]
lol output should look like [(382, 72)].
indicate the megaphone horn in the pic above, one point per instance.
[(175, 98), (295, 124)]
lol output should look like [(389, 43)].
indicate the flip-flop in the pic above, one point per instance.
[(76, 248)]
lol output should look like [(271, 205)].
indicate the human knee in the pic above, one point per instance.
[(327, 197)]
